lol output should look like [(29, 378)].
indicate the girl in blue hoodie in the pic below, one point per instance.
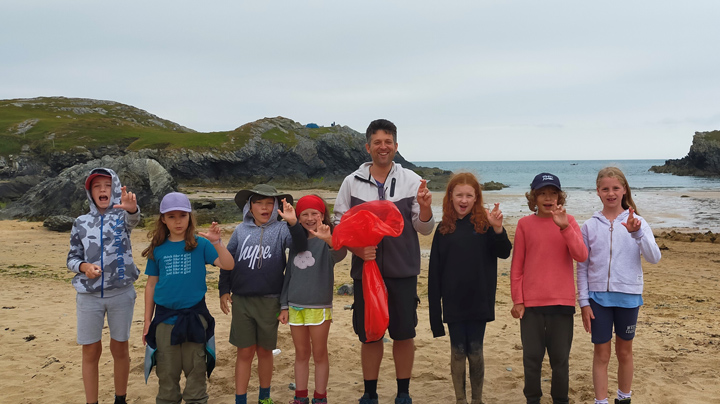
[(610, 281)]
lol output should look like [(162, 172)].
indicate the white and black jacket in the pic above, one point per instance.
[(397, 257)]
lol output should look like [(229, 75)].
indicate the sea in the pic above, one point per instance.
[(664, 200)]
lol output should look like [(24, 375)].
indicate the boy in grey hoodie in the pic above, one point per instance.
[(101, 256)]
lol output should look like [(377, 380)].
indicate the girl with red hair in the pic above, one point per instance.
[(463, 278)]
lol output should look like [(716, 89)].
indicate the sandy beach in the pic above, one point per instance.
[(676, 350)]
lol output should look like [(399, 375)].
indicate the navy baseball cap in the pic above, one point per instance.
[(545, 179)]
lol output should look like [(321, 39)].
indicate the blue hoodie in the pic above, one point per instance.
[(104, 240), (259, 253), (613, 263)]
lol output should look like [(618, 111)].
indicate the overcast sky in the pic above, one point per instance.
[(463, 80)]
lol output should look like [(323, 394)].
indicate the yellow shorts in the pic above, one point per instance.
[(300, 316)]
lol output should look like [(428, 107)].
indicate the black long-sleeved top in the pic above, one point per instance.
[(463, 274)]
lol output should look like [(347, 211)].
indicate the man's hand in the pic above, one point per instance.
[(128, 201), (364, 253)]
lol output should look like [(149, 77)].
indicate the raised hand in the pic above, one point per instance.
[(323, 233), (560, 217), (633, 223), (287, 213), (424, 196), (213, 234), (495, 218), (128, 201)]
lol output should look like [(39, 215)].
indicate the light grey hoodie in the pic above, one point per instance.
[(104, 240), (613, 263)]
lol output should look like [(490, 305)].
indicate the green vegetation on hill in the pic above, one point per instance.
[(713, 135), (49, 124)]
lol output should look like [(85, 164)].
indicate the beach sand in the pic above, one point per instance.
[(676, 350)]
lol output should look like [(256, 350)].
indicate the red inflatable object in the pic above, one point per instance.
[(365, 225)]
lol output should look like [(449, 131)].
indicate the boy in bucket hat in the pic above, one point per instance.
[(253, 287), (543, 286)]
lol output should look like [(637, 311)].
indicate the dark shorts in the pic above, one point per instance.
[(402, 307), (624, 320)]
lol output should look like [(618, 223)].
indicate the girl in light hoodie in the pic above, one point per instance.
[(610, 281)]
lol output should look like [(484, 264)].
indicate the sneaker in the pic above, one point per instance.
[(302, 400), (403, 399), (367, 400), (623, 401), (266, 401), (319, 401)]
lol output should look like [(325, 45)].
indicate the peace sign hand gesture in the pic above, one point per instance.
[(287, 213), (128, 201), (633, 224)]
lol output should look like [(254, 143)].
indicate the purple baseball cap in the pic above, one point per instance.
[(175, 201)]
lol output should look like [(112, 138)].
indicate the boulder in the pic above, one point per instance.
[(59, 223), (65, 194)]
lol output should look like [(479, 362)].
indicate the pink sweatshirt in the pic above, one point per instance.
[(542, 264)]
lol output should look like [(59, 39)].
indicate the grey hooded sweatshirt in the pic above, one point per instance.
[(104, 240), (259, 253)]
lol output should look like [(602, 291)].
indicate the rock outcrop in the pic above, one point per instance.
[(65, 194), (702, 160)]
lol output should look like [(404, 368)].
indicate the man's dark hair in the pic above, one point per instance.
[(381, 124)]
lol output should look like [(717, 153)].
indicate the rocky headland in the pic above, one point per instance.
[(703, 159), (49, 144)]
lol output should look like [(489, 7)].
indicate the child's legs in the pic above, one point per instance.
[(601, 335), (476, 358), (169, 366), (90, 321), (625, 324), (301, 340), (559, 331), (120, 310), (121, 365), (458, 354), (319, 336), (243, 364), (265, 313), (195, 368), (90, 360), (532, 335)]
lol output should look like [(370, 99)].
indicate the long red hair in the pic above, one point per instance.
[(478, 214)]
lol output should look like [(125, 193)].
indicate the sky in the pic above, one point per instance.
[(462, 80)]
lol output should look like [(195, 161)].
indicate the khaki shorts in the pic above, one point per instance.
[(254, 321), (308, 316)]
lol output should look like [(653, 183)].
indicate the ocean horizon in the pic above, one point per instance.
[(664, 200)]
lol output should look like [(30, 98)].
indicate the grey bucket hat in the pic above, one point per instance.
[(242, 197)]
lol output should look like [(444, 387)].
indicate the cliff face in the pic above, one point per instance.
[(702, 160)]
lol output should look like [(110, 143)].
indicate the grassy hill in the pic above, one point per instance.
[(49, 124)]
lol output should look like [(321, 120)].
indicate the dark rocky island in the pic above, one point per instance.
[(703, 159)]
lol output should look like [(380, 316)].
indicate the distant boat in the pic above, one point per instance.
[(573, 164)]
